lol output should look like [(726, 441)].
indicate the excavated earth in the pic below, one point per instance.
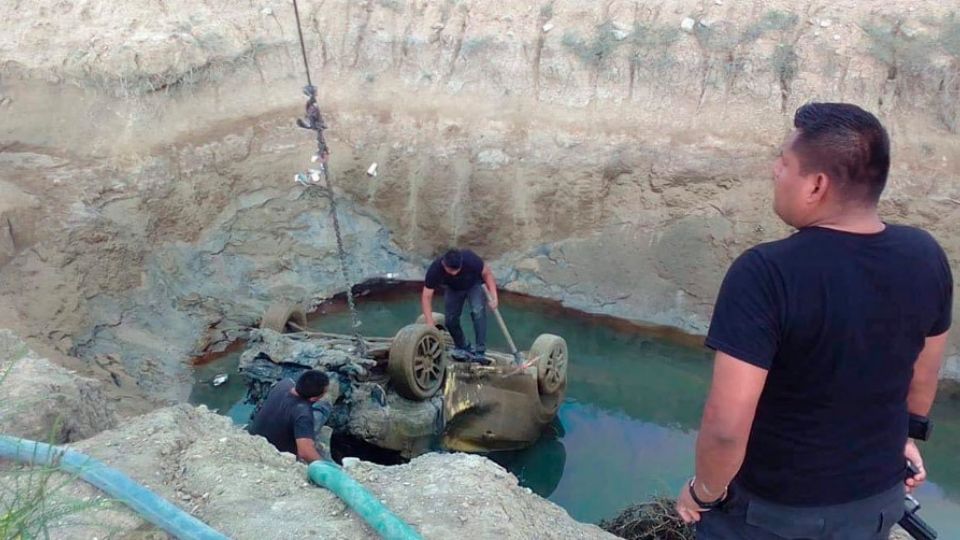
[(613, 155)]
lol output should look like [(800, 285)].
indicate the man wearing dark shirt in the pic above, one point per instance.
[(286, 418), (827, 343), (462, 274)]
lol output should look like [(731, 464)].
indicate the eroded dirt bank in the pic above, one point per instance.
[(606, 154)]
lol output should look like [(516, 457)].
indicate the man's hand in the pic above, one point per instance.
[(494, 302), (689, 510), (912, 453)]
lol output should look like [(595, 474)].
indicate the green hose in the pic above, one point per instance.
[(373, 512)]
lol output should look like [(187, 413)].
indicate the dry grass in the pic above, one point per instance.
[(653, 520)]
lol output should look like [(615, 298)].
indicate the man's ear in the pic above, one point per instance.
[(818, 187), (315, 399)]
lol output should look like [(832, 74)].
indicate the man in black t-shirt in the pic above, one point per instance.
[(286, 418), (828, 346), (462, 274)]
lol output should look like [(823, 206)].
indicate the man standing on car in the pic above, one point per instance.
[(828, 348), (462, 274)]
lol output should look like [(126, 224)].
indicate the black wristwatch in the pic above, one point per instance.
[(920, 427), (705, 505)]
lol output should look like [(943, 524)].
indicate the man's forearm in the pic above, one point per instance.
[(718, 460), (922, 394), (926, 375), (426, 305), (491, 285)]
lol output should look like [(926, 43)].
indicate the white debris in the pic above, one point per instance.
[(372, 170), (547, 27), (220, 379), (266, 12), (687, 25), (826, 23), (350, 462)]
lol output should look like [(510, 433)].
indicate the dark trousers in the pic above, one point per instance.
[(747, 517), (453, 307)]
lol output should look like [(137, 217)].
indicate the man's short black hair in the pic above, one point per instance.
[(848, 144), (312, 383), (453, 259)]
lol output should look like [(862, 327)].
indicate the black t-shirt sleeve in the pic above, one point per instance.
[(945, 313), (745, 321), (303, 424), (433, 277)]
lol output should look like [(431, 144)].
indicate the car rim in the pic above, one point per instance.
[(427, 367), (555, 364)]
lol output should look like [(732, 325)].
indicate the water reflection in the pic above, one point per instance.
[(541, 466)]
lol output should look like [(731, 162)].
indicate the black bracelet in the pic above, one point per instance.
[(701, 504), (919, 427)]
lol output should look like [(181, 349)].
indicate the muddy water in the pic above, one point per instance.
[(628, 426)]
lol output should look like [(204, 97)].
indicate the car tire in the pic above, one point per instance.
[(280, 315), (418, 361), (552, 355)]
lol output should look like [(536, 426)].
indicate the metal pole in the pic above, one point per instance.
[(503, 327)]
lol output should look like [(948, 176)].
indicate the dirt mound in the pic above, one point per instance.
[(243, 487)]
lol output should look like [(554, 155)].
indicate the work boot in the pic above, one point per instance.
[(460, 355), (481, 360)]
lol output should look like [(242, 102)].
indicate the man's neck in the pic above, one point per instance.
[(857, 221)]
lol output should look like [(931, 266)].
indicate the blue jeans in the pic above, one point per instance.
[(453, 308), (747, 517)]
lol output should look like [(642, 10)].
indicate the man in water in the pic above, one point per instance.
[(462, 274), (828, 347), (286, 418)]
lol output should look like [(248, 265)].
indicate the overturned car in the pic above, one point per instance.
[(406, 394)]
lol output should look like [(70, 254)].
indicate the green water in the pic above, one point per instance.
[(628, 425)]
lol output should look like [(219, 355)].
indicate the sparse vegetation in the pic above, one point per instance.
[(727, 56), (597, 51), (474, 45), (919, 64), (772, 21), (393, 5), (651, 51), (546, 11)]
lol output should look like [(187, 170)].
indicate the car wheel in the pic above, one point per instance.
[(417, 363)]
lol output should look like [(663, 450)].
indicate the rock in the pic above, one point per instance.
[(492, 158), (687, 25), (619, 34), (826, 23), (42, 401)]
